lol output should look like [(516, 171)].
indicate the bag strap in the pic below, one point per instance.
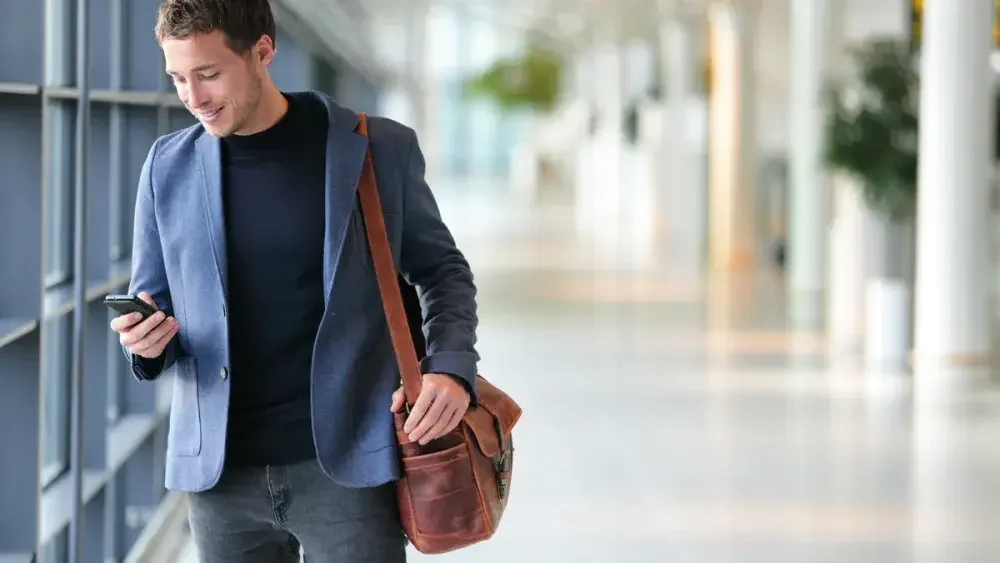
[(385, 274)]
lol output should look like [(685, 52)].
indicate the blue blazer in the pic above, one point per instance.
[(179, 258)]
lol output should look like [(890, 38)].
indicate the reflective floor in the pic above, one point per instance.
[(675, 419)]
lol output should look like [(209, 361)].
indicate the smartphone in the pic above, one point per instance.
[(128, 304)]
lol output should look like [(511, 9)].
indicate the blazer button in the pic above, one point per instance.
[(223, 373)]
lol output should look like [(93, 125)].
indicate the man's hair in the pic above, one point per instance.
[(243, 22)]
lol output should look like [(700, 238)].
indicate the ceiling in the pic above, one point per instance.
[(563, 25), (567, 24)]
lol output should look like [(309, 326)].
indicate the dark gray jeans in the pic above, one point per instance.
[(265, 514)]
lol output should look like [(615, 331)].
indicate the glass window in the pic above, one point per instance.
[(116, 184), (118, 373), (59, 193), (56, 550), (56, 352)]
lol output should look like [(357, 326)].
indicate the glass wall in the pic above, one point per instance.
[(476, 137), (121, 422)]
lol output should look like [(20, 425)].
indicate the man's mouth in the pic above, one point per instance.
[(209, 115)]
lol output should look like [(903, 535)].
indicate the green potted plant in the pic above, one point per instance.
[(872, 138), (532, 81), (872, 128)]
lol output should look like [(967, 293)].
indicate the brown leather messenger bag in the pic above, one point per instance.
[(454, 490)]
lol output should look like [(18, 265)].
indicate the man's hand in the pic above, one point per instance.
[(148, 338), (441, 405)]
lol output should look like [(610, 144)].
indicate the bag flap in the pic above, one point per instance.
[(495, 408)]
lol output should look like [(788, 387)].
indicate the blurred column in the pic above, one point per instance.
[(953, 305), (420, 46), (599, 170), (399, 99), (811, 55), (849, 250), (682, 166), (732, 137), (416, 57), (609, 85)]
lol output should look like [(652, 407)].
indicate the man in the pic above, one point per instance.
[(249, 241)]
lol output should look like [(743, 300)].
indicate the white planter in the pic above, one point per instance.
[(844, 331), (846, 271), (598, 190), (524, 175), (887, 323)]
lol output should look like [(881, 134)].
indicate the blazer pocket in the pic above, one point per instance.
[(184, 434), (375, 424)]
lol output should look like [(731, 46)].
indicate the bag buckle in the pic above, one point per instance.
[(503, 461), (501, 465)]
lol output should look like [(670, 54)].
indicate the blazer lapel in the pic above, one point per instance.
[(345, 155), (210, 162)]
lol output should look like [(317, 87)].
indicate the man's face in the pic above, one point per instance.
[(218, 86)]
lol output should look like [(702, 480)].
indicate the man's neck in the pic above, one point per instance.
[(272, 108)]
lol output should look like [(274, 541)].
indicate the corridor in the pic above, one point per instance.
[(670, 415), (670, 420)]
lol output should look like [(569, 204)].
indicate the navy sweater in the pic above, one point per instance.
[(273, 186)]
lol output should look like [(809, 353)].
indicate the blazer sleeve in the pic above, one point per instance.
[(431, 261), (148, 271)]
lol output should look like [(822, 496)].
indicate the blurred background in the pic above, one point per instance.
[(736, 262)]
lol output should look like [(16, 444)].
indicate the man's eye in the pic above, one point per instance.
[(210, 76)]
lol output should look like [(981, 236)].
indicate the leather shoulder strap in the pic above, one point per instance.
[(385, 274)]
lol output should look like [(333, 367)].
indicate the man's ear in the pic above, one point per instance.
[(265, 50)]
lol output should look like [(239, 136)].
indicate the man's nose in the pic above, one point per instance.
[(196, 98)]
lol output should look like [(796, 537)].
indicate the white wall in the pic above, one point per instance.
[(773, 65), (863, 19), (859, 20)]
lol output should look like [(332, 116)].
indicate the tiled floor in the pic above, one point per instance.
[(684, 420)]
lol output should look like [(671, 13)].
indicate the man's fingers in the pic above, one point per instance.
[(434, 413), (153, 321), (158, 342), (456, 418), (443, 425), (122, 323), (420, 408), (146, 338), (398, 398), (138, 332), (147, 346), (162, 333), (141, 330), (149, 300), (161, 344)]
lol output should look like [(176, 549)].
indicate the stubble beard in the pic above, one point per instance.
[(250, 107)]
